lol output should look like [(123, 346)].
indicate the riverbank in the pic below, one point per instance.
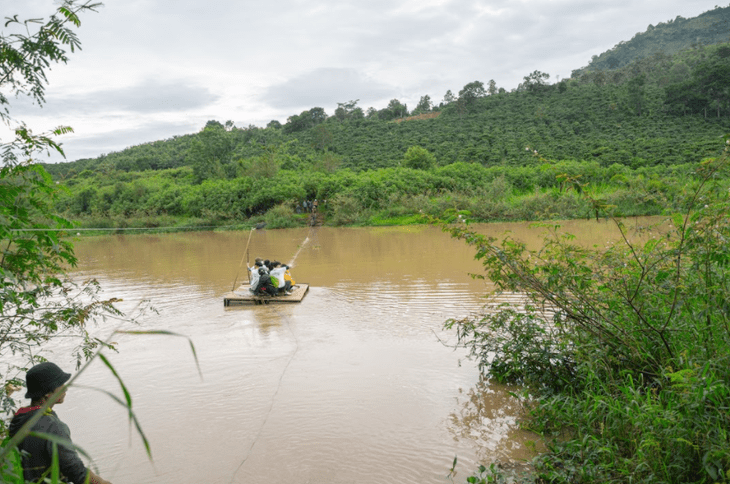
[(393, 196), (539, 205)]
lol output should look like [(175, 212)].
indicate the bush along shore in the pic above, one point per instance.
[(390, 196), (625, 351)]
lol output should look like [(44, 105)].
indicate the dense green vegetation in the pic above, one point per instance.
[(496, 154), (679, 34), (624, 349)]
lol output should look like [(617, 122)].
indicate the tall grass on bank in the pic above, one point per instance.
[(626, 350)]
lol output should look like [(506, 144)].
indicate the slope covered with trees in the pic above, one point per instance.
[(526, 154), (667, 38)]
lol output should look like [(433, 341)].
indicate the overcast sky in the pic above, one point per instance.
[(152, 69)]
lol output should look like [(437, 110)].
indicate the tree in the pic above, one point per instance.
[(471, 92), (327, 162), (340, 113), (305, 120), (210, 152), (706, 88), (711, 78), (316, 116), (492, 89), (638, 329), (599, 79), (424, 105), (295, 123), (536, 81), (679, 72), (449, 97), (461, 107), (398, 109), (393, 110), (37, 299), (419, 158), (266, 165), (345, 110), (214, 124), (612, 62)]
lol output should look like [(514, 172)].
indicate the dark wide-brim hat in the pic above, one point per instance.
[(43, 378)]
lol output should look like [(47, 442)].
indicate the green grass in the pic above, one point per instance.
[(406, 219)]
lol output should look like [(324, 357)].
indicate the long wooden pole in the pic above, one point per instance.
[(245, 256)]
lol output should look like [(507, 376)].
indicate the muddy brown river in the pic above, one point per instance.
[(353, 384)]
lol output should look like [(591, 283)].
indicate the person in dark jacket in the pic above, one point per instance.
[(43, 380), (264, 287)]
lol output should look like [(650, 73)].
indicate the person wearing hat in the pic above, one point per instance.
[(43, 381), (264, 287)]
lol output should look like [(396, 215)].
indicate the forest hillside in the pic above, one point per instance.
[(667, 38), (541, 150)]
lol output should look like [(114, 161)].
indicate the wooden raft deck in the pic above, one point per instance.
[(243, 296)]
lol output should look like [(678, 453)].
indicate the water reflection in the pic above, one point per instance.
[(487, 415)]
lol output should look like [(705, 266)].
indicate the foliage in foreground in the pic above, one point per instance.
[(626, 349), (38, 301)]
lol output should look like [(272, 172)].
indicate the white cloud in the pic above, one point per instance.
[(146, 97), (325, 87)]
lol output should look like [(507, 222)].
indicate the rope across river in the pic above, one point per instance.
[(273, 397), (301, 246)]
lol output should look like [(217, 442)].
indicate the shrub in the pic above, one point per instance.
[(419, 158), (626, 349), (282, 216), (346, 210)]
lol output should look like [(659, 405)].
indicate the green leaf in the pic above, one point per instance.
[(678, 221)]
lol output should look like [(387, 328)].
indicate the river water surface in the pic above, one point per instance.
[(357, 383)]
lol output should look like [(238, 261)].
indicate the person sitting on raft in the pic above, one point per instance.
[(277, 275), (288, 281), (284, 281), (264, 287), (259, 264)]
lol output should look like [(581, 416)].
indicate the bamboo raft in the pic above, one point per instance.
[(243, 296)]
